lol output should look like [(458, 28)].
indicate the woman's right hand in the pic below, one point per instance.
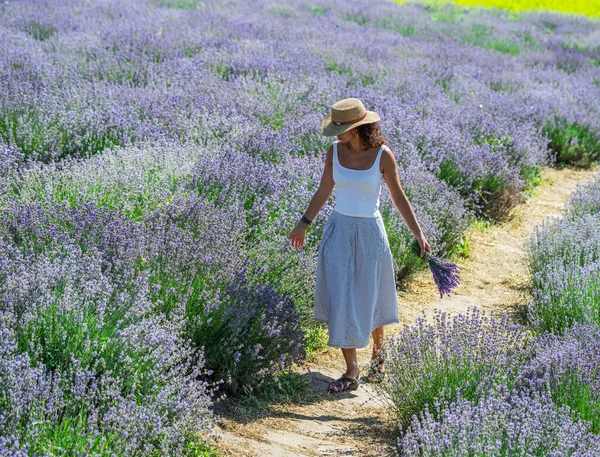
[(298, 234)]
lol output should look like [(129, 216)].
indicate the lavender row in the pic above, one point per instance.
[(254, 133), (564, 260), (483, 385), (474, 384), (158, 264), (118, 335), (78, 79)]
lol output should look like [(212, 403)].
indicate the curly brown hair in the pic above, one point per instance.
[(370, 135)]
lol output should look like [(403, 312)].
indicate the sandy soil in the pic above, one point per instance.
[(361, 423)]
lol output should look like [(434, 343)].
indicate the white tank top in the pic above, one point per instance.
[(358, 191)]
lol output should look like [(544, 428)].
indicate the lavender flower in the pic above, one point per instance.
[(154, 155), (445, 273), (501, 424), (471, 353)]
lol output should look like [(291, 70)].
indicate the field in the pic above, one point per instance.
[(156, 154), (584, 7)]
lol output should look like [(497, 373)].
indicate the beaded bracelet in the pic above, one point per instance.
[(305, 220)]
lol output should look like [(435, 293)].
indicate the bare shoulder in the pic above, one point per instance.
[(327, 183), (329, 156), (388, 160)]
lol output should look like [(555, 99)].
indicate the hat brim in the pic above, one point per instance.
[(330, 129)]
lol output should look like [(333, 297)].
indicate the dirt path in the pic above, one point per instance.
[(358, 423)]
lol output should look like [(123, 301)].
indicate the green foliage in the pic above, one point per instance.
[(408, 263), (229, 73), (71, 433), (339, 68), (480, 35), (275, 120), (505, 47), (569, 45), (223, 71), (549, 26), (572, 143), (490, 190), (579, 397), (178, 4), (315, 337), (200, 448), (460, 249), (285, 387), (356, 19), (39, 31), (135, 75), (443, 11), (313, 143), (533, 178), (528, 40), (480, 224), (391, 23), (285, 11), (406, 31)]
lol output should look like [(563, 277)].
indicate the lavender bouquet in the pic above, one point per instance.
[(445, 273)]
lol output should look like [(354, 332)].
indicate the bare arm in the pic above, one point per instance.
[(318, 200), (325, 188), (390, 175)]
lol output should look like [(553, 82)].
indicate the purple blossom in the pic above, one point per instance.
[(153, 159), (504, 423), (445, 273)]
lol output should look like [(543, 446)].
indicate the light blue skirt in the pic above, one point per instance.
[(355, 285)]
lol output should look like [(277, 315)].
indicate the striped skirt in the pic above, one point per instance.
[(355, 285)]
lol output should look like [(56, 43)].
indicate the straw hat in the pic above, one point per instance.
[(345, 115)]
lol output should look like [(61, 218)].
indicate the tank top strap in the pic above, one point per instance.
[(378, 158), (335, 151)]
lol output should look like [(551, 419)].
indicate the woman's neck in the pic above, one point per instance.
[(355, 145)]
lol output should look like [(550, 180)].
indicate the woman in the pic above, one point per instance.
[(355, 286)]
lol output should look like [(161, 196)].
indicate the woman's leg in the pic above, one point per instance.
[(377, 343), (351, 369), (351, 362)]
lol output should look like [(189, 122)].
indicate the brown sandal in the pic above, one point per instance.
[(345, 383)]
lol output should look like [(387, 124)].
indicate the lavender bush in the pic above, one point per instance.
[(253, 332), (564, 260), (586, 199), (568, 368), (194, 255), (470, 353), (154, 157), (502, 424), (86, 365)]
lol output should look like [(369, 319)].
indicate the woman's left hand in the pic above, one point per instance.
[(424, 245)]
